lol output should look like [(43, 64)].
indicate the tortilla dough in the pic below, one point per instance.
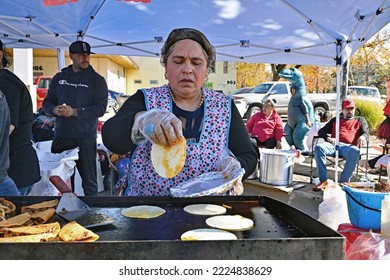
[(168, 161), (230, 222), (205, 209), (143, 212), (207, 234)]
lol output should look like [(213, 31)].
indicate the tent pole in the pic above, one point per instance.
[(338, 82), (60, 59)]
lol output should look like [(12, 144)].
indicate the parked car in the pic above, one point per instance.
[(367, 93), (280, 92), (242, 90), (42, 83)]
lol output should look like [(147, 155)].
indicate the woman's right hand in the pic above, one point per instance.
[(157, 126)]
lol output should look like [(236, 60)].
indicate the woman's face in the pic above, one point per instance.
[(267, 109), (186, 67)]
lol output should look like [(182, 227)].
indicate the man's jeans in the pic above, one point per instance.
[(349, 152), (8, 188)]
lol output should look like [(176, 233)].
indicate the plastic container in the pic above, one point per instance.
[(385, 216), (364, 207)]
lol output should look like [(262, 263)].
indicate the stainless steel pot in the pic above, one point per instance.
[(276, 167)]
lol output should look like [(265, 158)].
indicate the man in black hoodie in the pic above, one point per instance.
[(77, 96)]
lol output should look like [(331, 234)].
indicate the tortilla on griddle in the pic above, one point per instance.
[(7, 205), (28, 238), (16, 221), (168, 161), (42, 217), (73, 231), (230, 222), (143, 212), (207, 234), (40, 206), (205, 209), (51, 228)]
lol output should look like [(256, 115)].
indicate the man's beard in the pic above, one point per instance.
[(348, 116)]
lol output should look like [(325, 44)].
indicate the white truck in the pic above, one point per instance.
[(280, 92)]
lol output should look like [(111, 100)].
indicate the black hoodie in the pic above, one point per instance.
[(85, 91)]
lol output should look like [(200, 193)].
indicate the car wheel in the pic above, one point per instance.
[(252, 110)]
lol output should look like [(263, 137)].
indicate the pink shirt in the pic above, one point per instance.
[(265, 128)]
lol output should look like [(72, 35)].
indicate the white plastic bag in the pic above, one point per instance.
[(333, 211), (62, 164)]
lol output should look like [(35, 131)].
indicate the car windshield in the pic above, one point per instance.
[(364, 92), (262, 88)]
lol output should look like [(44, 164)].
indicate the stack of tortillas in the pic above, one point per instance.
[(168, 161)]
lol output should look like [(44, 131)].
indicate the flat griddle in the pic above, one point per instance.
[(278, 229)]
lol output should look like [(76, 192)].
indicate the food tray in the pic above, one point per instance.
[(279, 229)]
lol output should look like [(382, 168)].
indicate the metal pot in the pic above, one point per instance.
[(276, 167)]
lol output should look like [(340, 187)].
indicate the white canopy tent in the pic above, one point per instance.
[(315, 32)]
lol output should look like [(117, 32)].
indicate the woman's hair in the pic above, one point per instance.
[(192, 34), (6, 61), (270, 102), (325, 116)]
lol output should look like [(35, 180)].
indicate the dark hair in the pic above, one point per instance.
[(6, 61), (325, 116), (192, 34)]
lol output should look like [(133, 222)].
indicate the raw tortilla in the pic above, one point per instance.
[(205, 209), (169, 161), (143, 212), (230, 222), (207, 234)]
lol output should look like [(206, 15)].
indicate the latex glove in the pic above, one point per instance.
[(157, 126), (227, 165), (238, 187)]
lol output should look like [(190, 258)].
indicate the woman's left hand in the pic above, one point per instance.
[(228, 165)]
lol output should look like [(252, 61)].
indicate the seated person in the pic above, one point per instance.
[(324, 118), (353, 132), (266, 126)]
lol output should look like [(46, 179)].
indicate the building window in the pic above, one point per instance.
[(225, 67), (153, 82), (212, 66), (137, 81)]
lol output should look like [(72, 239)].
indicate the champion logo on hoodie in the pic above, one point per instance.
[(65, 83)]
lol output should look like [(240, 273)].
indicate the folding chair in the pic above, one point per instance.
[(332, 160)]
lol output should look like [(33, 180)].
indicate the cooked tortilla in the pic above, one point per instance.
[(40, 206), (52, 228), (7, 205), (205, 209), (29, 238), (143, 212), (207, 234), (73, 231), (168, 161), (18, 220), (230, 222), (42, 216)]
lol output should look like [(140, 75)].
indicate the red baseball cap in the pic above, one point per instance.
[(348, 103)]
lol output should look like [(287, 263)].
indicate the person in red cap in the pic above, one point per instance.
[(77, 97), (353, 132)]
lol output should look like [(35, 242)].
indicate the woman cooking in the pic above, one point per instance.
[(210, 122)]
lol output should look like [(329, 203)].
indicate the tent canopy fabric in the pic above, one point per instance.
[(315, 32)]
